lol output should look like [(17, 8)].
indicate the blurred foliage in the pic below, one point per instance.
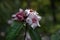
[(9, 7), (14, 30), (56, 36)]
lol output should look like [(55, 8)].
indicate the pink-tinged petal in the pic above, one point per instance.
[(29, 21), (20, 10), (27, 11), (34, 25), (39, 17), (14, 15), (20, 13), (20, 17)]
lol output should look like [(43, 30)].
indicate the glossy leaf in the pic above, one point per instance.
[(34, 35), (14, 30)]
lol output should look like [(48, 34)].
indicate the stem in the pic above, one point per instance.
[(26, 28)]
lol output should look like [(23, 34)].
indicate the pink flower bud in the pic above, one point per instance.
[(20, 16)]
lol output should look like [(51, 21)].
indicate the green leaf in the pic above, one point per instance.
[(34, 35), (14, 30)]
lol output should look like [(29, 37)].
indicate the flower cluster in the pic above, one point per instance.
[(19, 15), (30, 16)]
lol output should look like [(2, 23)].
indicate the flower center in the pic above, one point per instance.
[(31, 10), (34, 20)]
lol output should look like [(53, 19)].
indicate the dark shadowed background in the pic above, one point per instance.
[(48, 9)]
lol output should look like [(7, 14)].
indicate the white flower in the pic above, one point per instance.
[(33, 18), (33, 21), (35, 24)]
